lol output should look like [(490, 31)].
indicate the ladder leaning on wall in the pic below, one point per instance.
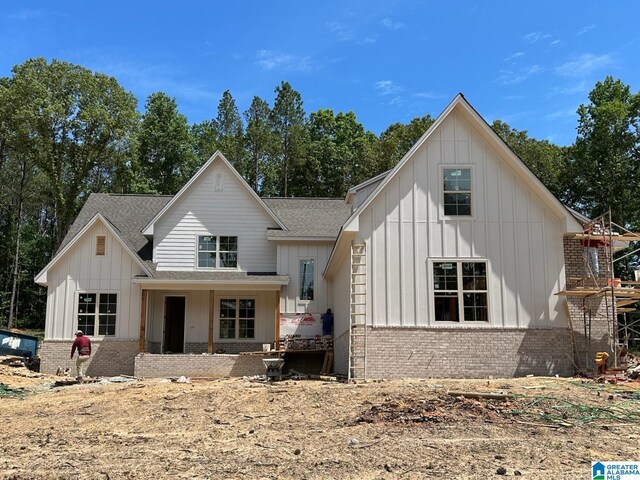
[(357, 312)]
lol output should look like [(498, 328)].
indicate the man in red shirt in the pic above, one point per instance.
[(83, 345)]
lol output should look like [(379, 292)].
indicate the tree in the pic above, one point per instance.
[(165, 146), (289, 125), (259, 141), (398, 139), (605, 159), (546, 160), (229, 127), (340, 154), (77, 124)]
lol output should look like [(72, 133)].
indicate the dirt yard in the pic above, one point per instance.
[(235, 428)]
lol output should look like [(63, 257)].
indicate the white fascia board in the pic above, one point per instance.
[(168, 281), (148, 229), (41, 277), (302, 239)]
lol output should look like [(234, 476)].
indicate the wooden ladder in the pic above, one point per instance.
[(357, 312)]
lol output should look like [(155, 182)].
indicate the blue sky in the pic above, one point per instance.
[(527, 63)]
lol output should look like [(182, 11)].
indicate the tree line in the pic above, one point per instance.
[(66, 131)]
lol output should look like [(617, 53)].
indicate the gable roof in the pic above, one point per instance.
[(41, 277), (218, 156), (129, 213), (307, 218), (353, 190), (522, 170), (518, 165)]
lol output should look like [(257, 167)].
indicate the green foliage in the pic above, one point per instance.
[(603, 164), (289, 126), (260, 142), (546, 160), (228, 125), (66, 131), (165, 150)]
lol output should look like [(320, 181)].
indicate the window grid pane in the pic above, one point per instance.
[(457, 191), (306, 279), (100, 309), (207, 246), (448, 284), (228, 252)]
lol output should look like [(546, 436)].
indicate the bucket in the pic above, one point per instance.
[(613, 282), (266, 347)]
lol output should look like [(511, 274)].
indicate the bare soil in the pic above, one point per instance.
[(239, 428)]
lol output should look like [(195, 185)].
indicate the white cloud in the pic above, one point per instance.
[(586, 28), (342, 32), (25, 14), (430, 95), (387, 87), (391, 25), (511, 98), (584, 65), (396, 101), (533, 37), (555, 42), (513, 56), (271, 59), (576, 88), (566, 113), (367, 41), (512, 77)]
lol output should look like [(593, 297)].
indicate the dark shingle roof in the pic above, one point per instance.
[(127, 213), (309, 217)]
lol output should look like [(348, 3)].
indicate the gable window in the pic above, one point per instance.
[(217, 252), (460, 291), (237, 318), (97, 312), (101, 245), (305, 279), (457, 191)]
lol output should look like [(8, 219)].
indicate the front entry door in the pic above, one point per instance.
[(173, 325)]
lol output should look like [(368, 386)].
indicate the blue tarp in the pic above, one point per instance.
[(18, 344)]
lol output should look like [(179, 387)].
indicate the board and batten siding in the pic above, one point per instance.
[(80, 270), (197, 314), (216, 204), (511, 228), (289, 256)]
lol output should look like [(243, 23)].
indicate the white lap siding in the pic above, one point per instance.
[(80, 270), (511, 228), (208, 209)]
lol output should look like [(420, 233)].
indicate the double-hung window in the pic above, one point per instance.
[(237, 318), (97, 312), (217, 252), (305, 279), (460, 291), (457, 191)]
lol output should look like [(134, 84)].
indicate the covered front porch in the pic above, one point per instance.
[(198, 326), (225, 315)]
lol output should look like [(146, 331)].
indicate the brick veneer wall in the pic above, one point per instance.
[(228, 347), (341, 354), (600, 330), (108, 357), (394, 352), (149, 365)]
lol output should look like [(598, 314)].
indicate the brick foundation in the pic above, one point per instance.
[(227, 347), (108, 357), (149, 365), (469, 353)]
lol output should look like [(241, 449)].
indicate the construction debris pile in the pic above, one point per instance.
[(542, 411)]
